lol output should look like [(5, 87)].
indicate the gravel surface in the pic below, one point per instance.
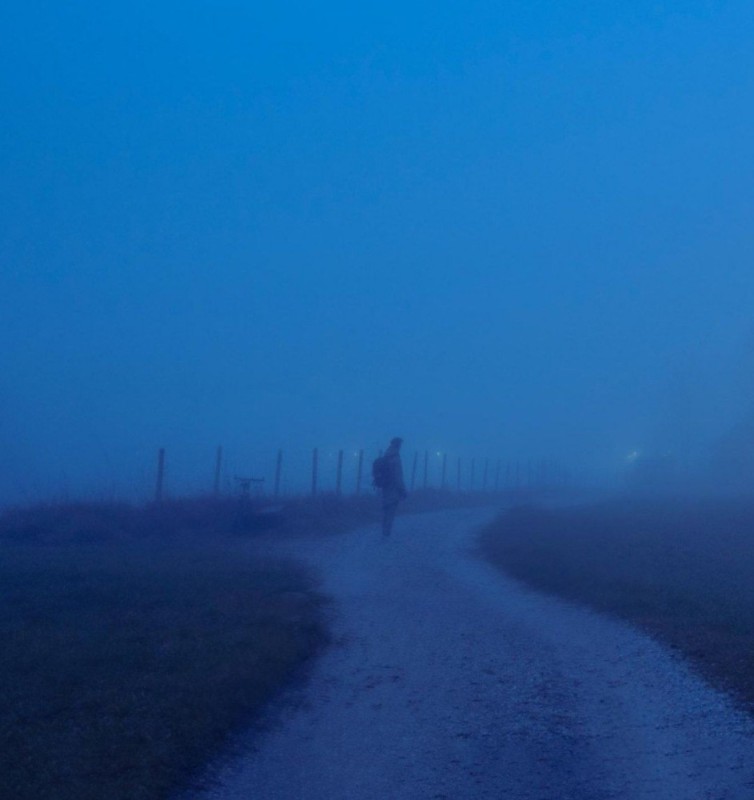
[(450, 681)]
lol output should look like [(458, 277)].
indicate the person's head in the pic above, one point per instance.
[(396, 442)]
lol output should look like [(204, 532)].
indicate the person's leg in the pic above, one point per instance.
[(388, 515)]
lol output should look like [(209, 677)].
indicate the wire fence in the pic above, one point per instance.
[(343, 472)]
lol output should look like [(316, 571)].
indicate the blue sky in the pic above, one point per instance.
[(498, 229)]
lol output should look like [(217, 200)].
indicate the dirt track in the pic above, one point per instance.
[(451, 681)]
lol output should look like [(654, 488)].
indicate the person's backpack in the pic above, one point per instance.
[(380, 473)]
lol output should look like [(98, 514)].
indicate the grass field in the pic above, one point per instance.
[(681, 570), (134, 644), (136, 640)]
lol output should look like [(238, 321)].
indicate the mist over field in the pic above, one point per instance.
[(516, 231), (245, 248)]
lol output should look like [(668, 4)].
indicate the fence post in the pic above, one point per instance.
[(485, 473), (278, 472), (359, 470), (444, 469), (160, 475), (458, 474), (218, 468), (413, 470), (426, 468), (497, 475), (472, 477), (339, 478), (315, 469)]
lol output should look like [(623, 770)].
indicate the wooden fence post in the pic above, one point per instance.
[(359, 470), (278, 472), (218, 468), (444, 469), (458, 474), (472, 476), (497, 476), (315, 470), (485, 474), (426, 468), (339, 478), (160, 475), (413, 469)]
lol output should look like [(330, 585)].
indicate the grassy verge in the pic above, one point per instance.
[(680, 570), (130, 652), (136, 640)]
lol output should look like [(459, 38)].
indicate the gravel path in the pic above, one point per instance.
[(451, 681)]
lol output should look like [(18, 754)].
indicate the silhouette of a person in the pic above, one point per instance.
[(393, 488)]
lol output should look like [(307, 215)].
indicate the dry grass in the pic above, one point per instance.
[(681, 570), (128, 658)]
